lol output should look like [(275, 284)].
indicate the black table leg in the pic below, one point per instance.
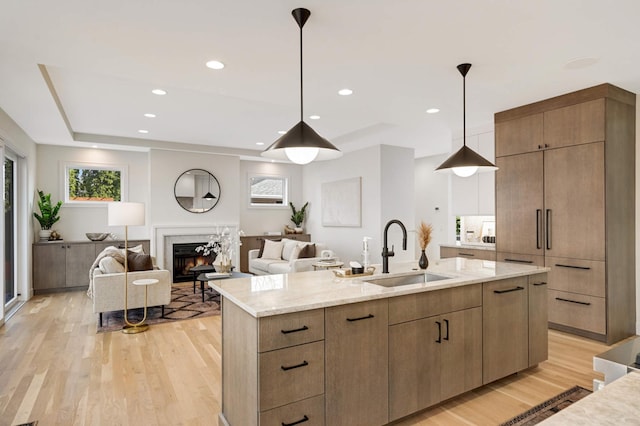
[(202, 288)]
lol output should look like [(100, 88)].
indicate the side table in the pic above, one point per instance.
[(140, 326), (327, 265)]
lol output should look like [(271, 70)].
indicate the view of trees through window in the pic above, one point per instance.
[(94, 184)]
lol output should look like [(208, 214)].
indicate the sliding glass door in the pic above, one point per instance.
[(10, 226)]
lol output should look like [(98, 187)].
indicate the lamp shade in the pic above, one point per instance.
[(301, 137), (466, 158), (125, 214)]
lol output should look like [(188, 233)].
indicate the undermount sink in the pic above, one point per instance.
[(420, 278)]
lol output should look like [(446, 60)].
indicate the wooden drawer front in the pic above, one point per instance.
[(520, 259), (291, 374), (577, 276), (578, 311), (446, 252), (308, 412), (431, 303), (519, 135), (575, 124), (281, 331)]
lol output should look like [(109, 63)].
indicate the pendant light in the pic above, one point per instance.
[(466, 161), (209, 196), (301, 144)]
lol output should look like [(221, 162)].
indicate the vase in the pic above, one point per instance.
[(423, 262), (44, 234)]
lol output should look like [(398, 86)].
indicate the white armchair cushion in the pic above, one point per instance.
[(109, 265), (272, 250)]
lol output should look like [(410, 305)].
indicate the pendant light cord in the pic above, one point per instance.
[(301, 92), (464, 110)]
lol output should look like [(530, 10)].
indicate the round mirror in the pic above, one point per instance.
[(197, 191)]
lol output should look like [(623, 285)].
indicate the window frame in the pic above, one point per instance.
[(285, 195), (124, 187)]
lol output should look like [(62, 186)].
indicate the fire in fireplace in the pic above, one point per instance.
[(185, 257)]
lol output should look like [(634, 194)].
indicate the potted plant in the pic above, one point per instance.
[(297, 216), (48, 214)]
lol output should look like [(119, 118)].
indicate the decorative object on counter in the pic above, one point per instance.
[(97, 236), (347, 273), (301, 144), (298, 216), (424, 238), (48, 214), (55, 236), (289, 230), (223, 244), (465, 162), (366, 258), (356, 268)]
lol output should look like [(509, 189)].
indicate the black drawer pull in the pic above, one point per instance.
[(439, 340), (291, 367), (540, 283), (586, 268), (466, 254), (302, 420), (509, 290), (446, 322), (518, 260), (573, 301), (360, 318), (295, 330)]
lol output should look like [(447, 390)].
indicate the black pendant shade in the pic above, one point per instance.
[(465, 162), (301, 144), (209, 195)]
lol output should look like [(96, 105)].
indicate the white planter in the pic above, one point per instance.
[(44, 234)]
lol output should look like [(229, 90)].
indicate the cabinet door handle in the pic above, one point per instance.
[(548, 229), (518, 260), (291, 367), (466, 254), (509, 290), (573, 301), (540, 283), (439, 340), (446, 322), (360, 318), (585, 268), (302, 420), (295, 330), (538, 220)]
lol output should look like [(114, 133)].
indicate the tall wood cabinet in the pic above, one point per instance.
[(565, 198)]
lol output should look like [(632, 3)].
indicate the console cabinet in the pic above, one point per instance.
[(469, 253), (63, 265)]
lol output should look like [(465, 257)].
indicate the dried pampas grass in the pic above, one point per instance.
[(424, 235)]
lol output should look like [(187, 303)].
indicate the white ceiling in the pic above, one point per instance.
[(399, 57)]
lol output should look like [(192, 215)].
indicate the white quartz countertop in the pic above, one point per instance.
[(474, 246), (616, 404), (267, 295)]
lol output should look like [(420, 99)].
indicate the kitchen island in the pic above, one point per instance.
[(316, 349)]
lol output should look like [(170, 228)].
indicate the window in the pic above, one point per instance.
[(89, 184), (268, 191)]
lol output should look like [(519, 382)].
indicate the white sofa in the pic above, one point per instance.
[(288, 261)]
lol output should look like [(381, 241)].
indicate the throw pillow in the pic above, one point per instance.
[(308, 251), (262, 240), (288, 248), (109, 265), (272, 250), (136, 249), (139, 262)]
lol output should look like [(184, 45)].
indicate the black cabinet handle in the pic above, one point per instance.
[(439, 340), (509, 290), (360, 318), (291, 367), (540, 283), (548, 229), (573, 301), (302, 420), (518, 260), (466, 254), (446, 322), (295, 330), (538, 220), (586, 268)]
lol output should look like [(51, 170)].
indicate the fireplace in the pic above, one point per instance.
[(186, 257)]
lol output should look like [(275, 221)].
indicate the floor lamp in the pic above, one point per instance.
[(128, 214)]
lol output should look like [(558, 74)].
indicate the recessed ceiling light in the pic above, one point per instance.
[(159, 92), (314, 117), (143, 131), (94, 146), (260, 143), (432, 110), (149, 115), (282, 132), (215, 65), (578, 63), (345, 92)]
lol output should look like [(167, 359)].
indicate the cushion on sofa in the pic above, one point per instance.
[(288, 248), (262, 264), (139, 262), (307, 251), (281, 267), (109, 265), (272, 250)]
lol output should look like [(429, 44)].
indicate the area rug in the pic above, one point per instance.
[(548, 408), (185, 304)]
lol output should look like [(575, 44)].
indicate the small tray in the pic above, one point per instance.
[(346, 273)]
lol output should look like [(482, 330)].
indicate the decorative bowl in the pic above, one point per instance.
[(96, 236)]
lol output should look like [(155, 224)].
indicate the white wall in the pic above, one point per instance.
[(258, 220), (433, 200), (76, 220)]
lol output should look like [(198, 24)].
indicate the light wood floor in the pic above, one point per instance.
[(54, 368)]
